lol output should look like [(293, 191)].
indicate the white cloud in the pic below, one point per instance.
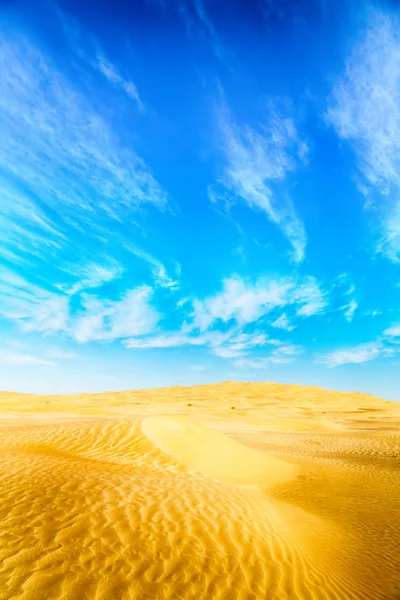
[(310, 297), (281, 355), (67, 185), (165, 340), (24, 226), (37, 309), (111, 73), (355, 355), (283, 322), (158, 270), (198, 23), (364, 109), (244, 302), (351, 289), (344, 287), (227, 351), (252, 363), (134, 320), (87, 50), (235, 343), (182, 301), (229, 344), (349, 310), (48, 352), (288, 350), (393, 331), (48, 316), (256, 161), (24, 360), (240, 301), (92, 275), (385, 345), (131, 316), (63, 166), (343, 281)]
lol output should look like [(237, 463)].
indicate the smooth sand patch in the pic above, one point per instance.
[(216, 455)]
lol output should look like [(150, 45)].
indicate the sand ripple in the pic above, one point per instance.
[(169, 508)]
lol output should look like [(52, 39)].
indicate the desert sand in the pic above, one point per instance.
[(228, 491)]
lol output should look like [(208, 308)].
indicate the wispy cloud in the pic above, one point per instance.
[(24, 360), (355, 355), (343, 289), (27, 232), (165, 340), (345, 284), (228, 324), (283, 322), (198, 23), (239, 344), (364, 109), (88, 51), (63, 167), (67, 188), (101, 319), (308, 297), (281, 355), (35, 307), (245, 302), (92, 275), (393, 331), (258, 160), (38, 309), (229, 344), (385, 345), (373, 313), (110, 71), (349, 310), (158, 269), (224, 322)]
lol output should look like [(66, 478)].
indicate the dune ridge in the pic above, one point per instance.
[(294, 494)]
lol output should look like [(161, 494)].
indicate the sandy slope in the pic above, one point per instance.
[(222, 491)]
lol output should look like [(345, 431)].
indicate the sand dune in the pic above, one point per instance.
[(234, 491)]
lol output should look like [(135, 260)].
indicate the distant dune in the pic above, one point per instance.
[(229, 491)]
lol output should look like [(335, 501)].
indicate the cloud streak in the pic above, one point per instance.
[(110, 72), (245, 302), (356, 355), (259, 160), (364, 110), (24, 360), (383, 346), (64, 171), (283, 354), (68, 187), (132, 315), (226, 323), (349, 310)]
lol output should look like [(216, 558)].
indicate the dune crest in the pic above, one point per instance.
[(205, 450)]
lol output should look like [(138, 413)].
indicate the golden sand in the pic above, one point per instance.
[(228, 491)]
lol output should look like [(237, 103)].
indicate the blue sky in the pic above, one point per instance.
[(193, 191)]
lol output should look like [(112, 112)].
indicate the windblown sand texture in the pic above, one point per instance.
[(228, 491)]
